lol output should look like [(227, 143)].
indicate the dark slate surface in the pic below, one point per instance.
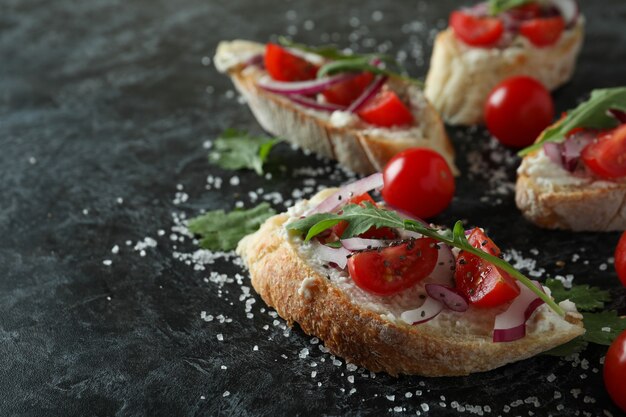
[(104, 108)]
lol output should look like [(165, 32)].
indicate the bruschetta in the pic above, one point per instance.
[(392, 299), (346, 108), (488, 43), (574, 177)]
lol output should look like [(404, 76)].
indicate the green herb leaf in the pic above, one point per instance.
[(362, 218), (498, 6), (362, 64), (235, 149), (303, 226), (222, 231), (591, 114), (326, 51), (585, 297), (320, 227), (603, 327), (567, 349)]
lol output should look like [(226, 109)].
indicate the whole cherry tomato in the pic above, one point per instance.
[(615, 371), (620, 259)]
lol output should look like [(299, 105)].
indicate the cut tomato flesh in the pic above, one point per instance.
[(606, 156), (391, 270), (544, 31), (476, 31), (346, 92), (386, 110), (482, 283), (282, 65)]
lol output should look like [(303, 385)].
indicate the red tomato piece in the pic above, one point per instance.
[(527, 11), (476, 31), (482, 283), (606, 156), (282, 65), (615, 369), (419, 182), (346, 92), (543, 31), (390, 270), (373, 233), (620, 259), (518, 110), (386, 110)]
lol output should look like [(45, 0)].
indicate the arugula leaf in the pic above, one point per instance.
[(603, 327), (363, 63), (362, 218), (235, 149), (498, 6), (585, 297), (575, 345), (222, 231), (590, 114)]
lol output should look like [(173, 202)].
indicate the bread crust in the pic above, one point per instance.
[(362, 151), (363, 337), (460, 78), (581, 208)]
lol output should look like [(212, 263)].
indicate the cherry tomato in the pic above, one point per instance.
[(476, 31), (543, 31), (419, 182), (483, 284), (620, 259), (346, 92), (518, 110), (386, 110), (373, 233), (390, 270), (615, 371), (282, 65), (606, 156)]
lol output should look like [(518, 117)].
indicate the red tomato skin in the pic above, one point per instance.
[(476, 31), (620, 259), (345, 93), (615, 371), (282, 65), (606, 156), (543, 32), (518, 110), (394, 269), (483, 284), (386, 110), (373, 233), (418, 181)]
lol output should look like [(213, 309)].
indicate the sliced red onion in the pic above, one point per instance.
[(338, 256), (568, 10), (314, 104), (367, 94), (303, 87), (449, 296), (511, 325), (345, 193), (428, 311), (554, 152), (446, 263), (573, 147), (254, 60), (357, 243), (620, 115)]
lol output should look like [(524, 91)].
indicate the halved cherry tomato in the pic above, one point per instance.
[(419, 182), (282, 65), (518, 110), (620, 259), (386, 110), (373, 233), (615, 369), (346, 92), (476, 31), (390, 270), (543, 31), (606, 156), (483, 284)]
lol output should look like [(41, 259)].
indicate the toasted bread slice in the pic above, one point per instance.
[(365, 329), (461, 77), (551, 197), (356, 145)]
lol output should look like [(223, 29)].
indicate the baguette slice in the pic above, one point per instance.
[(552, 198), (461, 77), (363, 328), (357, 146)]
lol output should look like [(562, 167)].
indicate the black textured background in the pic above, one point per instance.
[(104, 109)]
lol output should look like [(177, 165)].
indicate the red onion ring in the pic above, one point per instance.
[(367, 94), (444, 269), (357, 243), (449, 296), (511, 325), (345, 193), (554, 152), (314, 104), (572, 148), (303, 87), (254, 60), (428, 311)]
